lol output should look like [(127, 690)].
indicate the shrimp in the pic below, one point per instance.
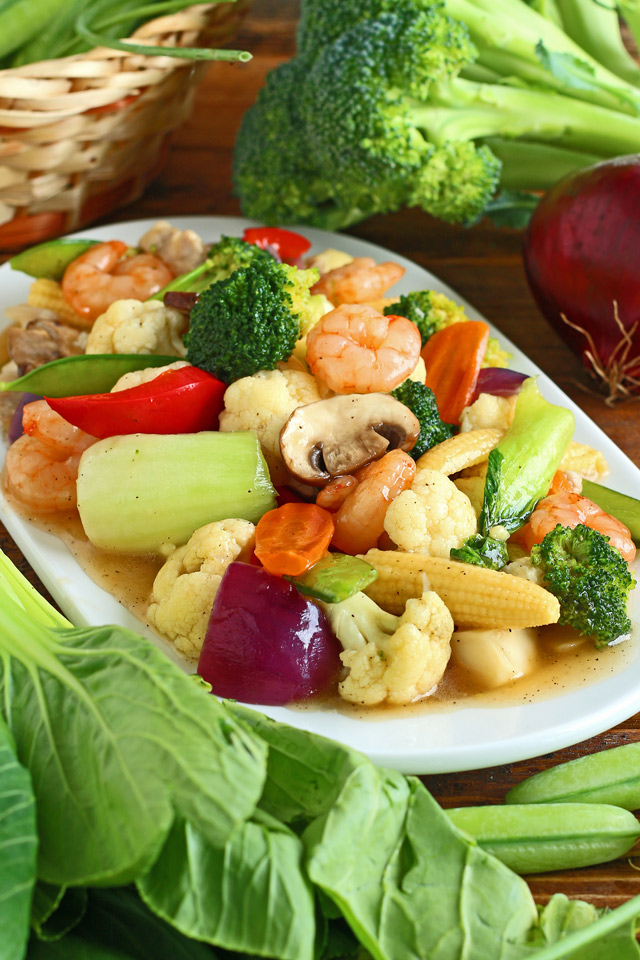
[(41, 467), (569, 509), (355, 349), (103, 274), (358, 281), (360, 518)]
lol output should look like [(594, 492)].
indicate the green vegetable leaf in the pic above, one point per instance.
[(56, 910), (250, 895), (118, 926), (483, 551), (574, 930), (511, 208), (118, 738), (18, 847), (422, 890)]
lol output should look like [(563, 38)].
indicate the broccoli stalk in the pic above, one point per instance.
[(519, 474), (375, 116), (422, 402), (595, 27), (251, 320), (589, 577)]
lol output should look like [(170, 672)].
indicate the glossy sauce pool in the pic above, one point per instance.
[(566, 661)]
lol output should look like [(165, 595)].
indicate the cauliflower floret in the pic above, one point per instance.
[(522, 567), (488, 411), (391, 659), (263, 403), (472, 487), (135, 378), (186, 585), (134, 326), (181, 250), (431, 517)]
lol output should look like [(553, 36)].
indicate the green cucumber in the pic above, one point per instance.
[(335, 578), (534, 838), (619, 505), (50, 259), (137, 493), (85, 373), (608, 776)]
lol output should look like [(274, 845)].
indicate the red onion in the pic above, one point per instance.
[(265, 642), (499, 382), (15, 427), (582, 259)]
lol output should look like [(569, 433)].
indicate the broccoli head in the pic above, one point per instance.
[(589, 577), (251, 320), (230, 254), (430, 311), (422, 402)]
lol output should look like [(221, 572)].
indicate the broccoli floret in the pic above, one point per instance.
[(429, 310), (589, 577), (251, 320), (224, 257), (422, 402), (376, 115)]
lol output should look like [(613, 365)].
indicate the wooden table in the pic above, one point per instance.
[(484, 265)]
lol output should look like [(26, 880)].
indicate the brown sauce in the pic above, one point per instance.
[(566, 661)]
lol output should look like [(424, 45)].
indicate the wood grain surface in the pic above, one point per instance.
[(484, 265)]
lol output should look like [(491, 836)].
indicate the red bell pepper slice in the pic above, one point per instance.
[(288, 245), (185, 400)]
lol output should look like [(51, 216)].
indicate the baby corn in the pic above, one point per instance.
[(476, 596), (48, 294), (462, 451)]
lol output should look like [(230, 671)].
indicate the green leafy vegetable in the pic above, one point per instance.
[(56, 910), (119, 739), (18, 849), (252, 895)]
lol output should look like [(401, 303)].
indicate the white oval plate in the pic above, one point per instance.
[(431, 742)]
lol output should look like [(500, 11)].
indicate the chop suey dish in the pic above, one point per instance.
[(342, 489)]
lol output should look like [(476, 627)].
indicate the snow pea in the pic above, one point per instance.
[(85, 373), (50, 259), (609, 776), (533, 838)]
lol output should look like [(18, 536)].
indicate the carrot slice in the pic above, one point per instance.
[(290, 539), (560, 483), (453, 357)]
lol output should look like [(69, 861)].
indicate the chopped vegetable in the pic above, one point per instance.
[(292, 538), (251, 320), (619, 505), (82, 374), (265, 642), (50, 259), (144, 491), (590, 579), (421, 400), (223, 258), (335, 578), (288, 246), (185, 400), (453, 357)]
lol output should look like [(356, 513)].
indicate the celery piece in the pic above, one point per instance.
[(138, 492), (523, 464), (335, 578)]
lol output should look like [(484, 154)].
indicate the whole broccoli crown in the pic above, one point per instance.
[(231, 253), (422, 402), (589, 577), (245, 323)]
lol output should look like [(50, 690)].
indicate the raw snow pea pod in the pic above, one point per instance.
[(85, 373), (534, 838), (609, 776)]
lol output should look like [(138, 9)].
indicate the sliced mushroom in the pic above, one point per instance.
[(332, 437)]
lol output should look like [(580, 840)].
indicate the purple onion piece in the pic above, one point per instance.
[(265, 642), (499, 382), (15, 427)]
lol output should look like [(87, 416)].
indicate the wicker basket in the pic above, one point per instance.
[(82, 135)]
